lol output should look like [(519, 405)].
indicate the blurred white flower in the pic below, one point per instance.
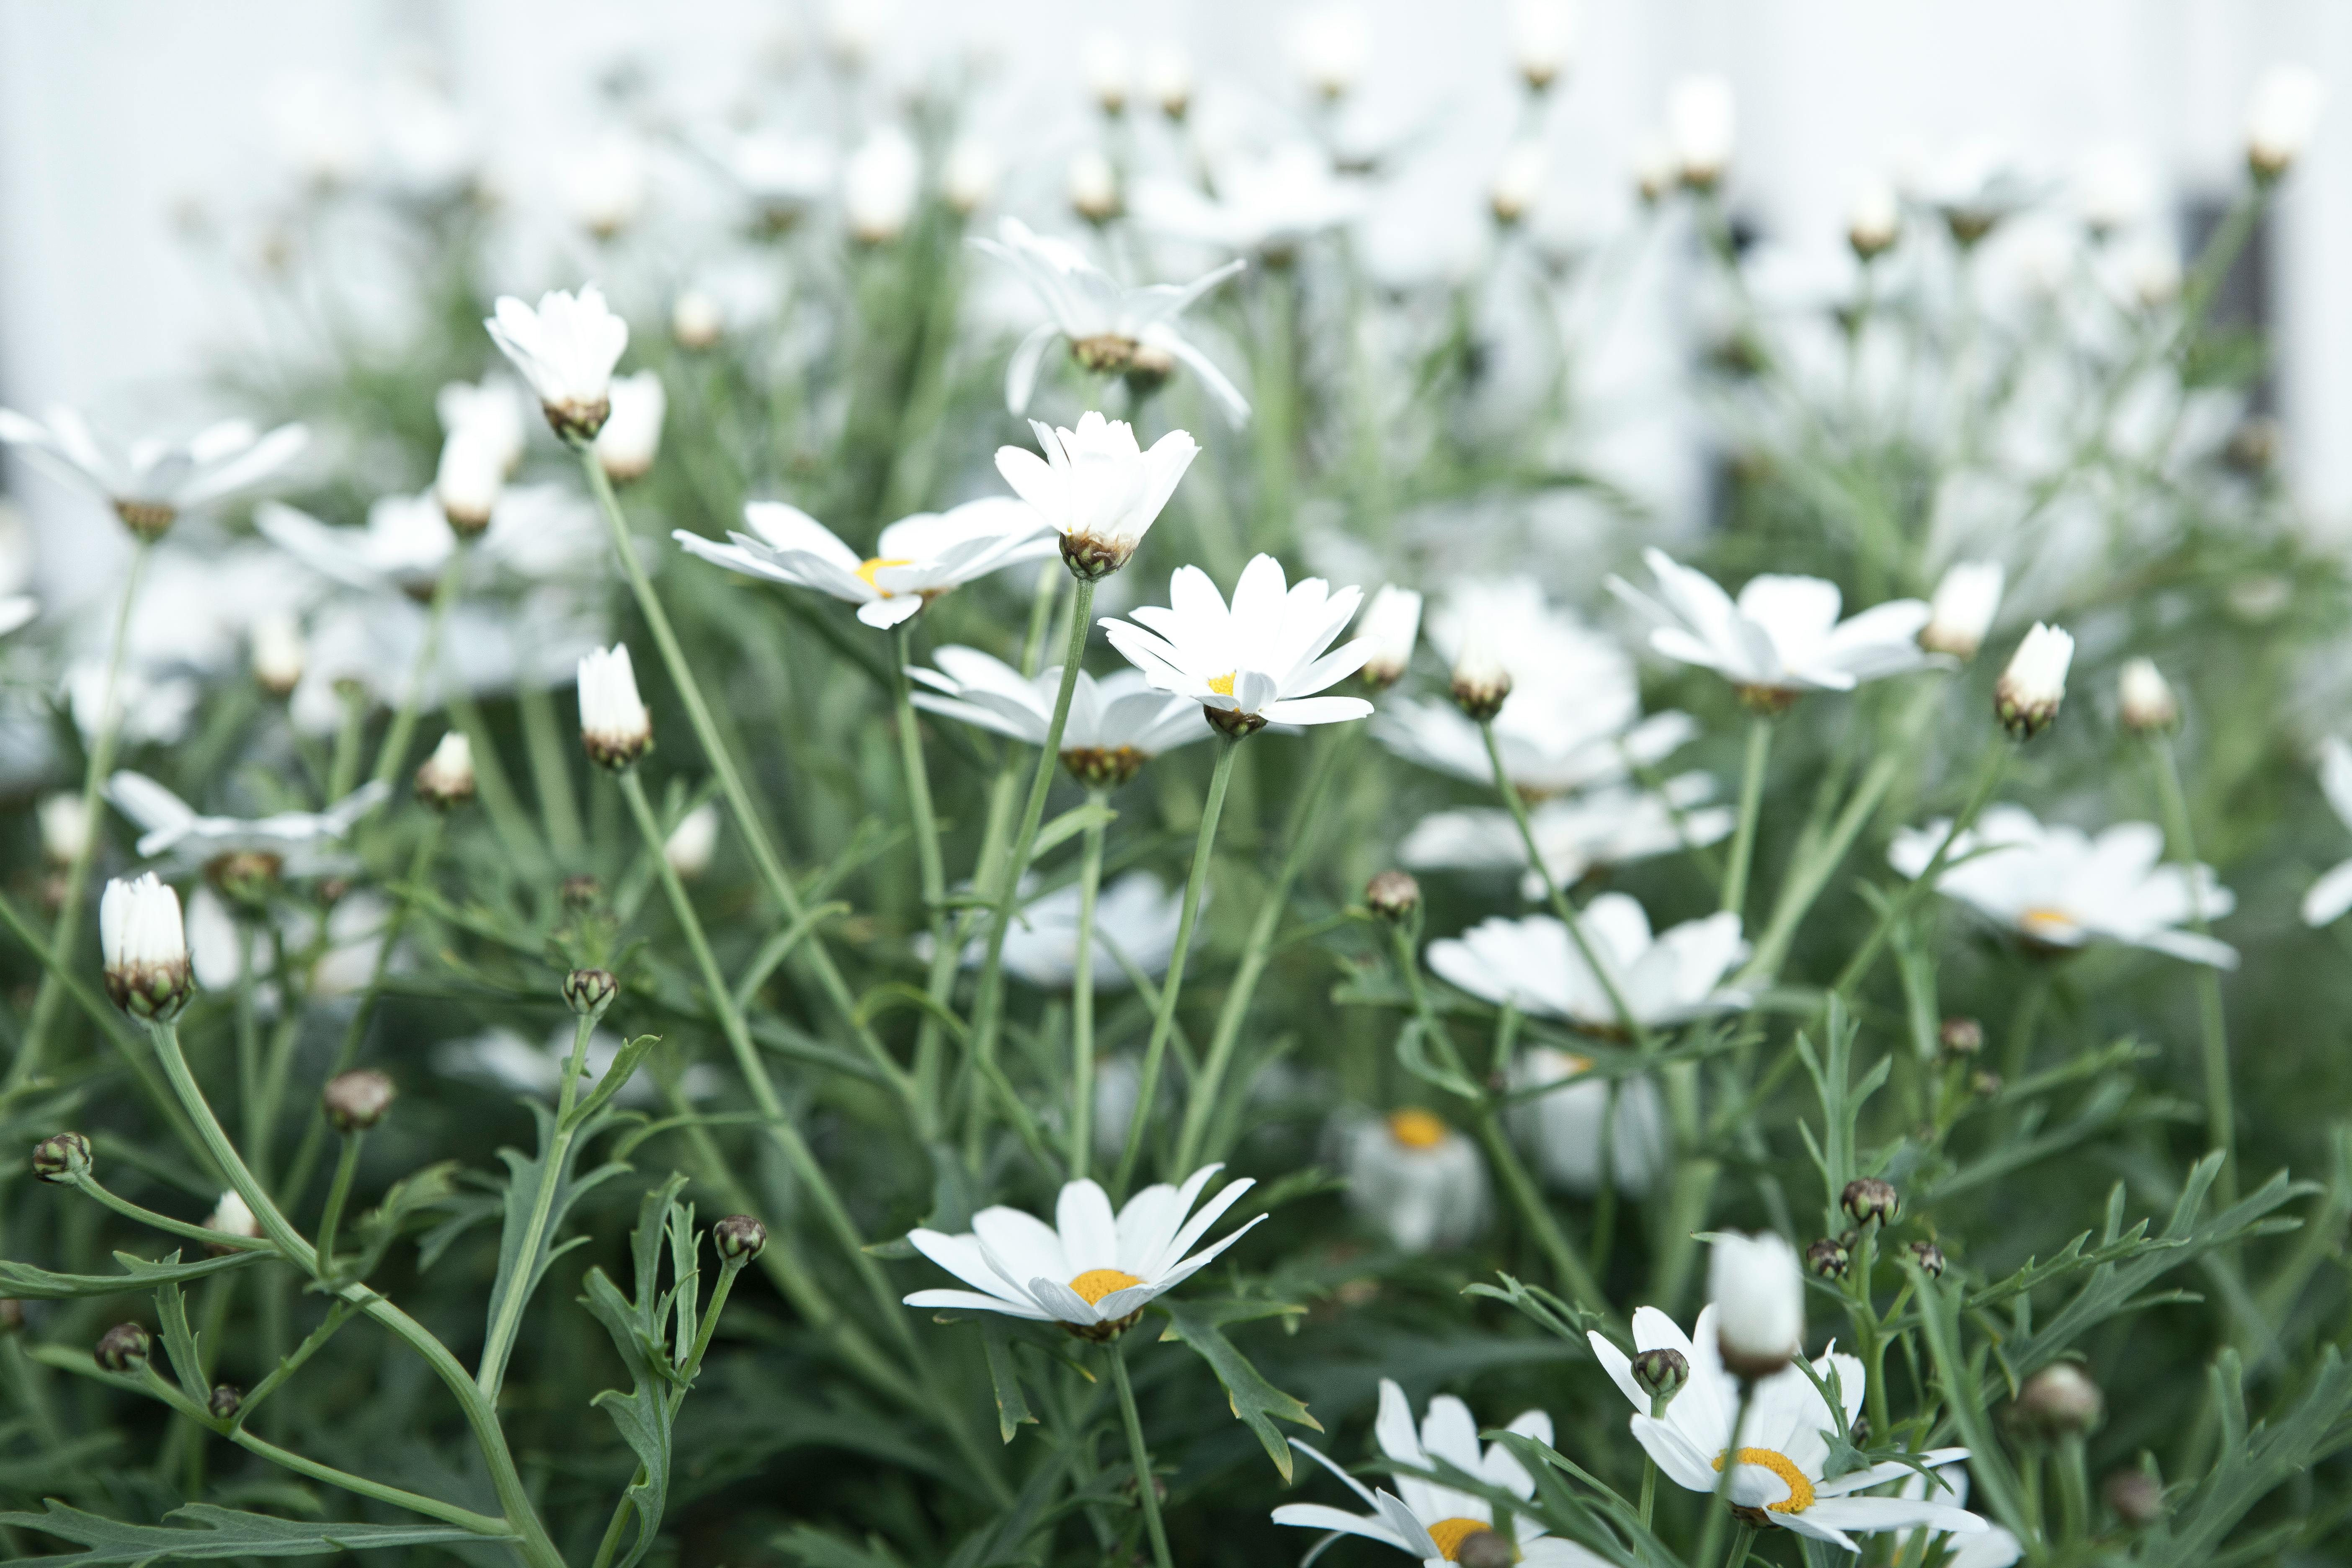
[(1106, 68), (1136, 917), (152, 709), (1614, 825), (407, 543), (1095, 486), (921, 556), (2033, 685), (632, 435), (65, 824), (1392, 623), (2057, 888), (605, 184), (1781, 637), (566, 348), (445, 778), (1259, 662), (693, 842), (854, 29), (880, 185), (427, 147), (1115, 724), (2146, 697), (150, 482), (1267, 205), (2114, 188), (17, 611), (511, 1062), (489, 413), (1534, 964), (2281, 117), (1976, 186), (1544, 36), (968, 175), (1758, 1294), (696, 320), (2331, 895), (1563, 1125), (1966, 599), (615, 725), (469, 480), (1415, 1180), (232, 1216), (278, 652), (782, 174), (296, 843), (1093, 186), (1330, 45), (1701, 128), (1168, 78), (1875, 220), (1518, 180), (321, 133)]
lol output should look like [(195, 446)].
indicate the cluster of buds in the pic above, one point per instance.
[(356, 1100), (2027, 698), (615, 725), (445, 780), (146, 949)]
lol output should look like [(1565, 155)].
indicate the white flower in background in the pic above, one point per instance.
[(1096, 488), (1544, 36), (1782, 1451), (1534, 964), (150, 482), (880, 185), (2146, 697), (1392, 623), (1427, 1518), (143, 947), (970, 175), (152, 709), (445, 778), (467, 482), (1702, 129), (1092, 183), (566, 350), (1119, 1089), (426, 146), (1966, 599), (632, 435), (1976, 186), (1168, 78), (1135, 921), (1991, 1547), (1518, 180), (1781, 638), (1652, 167), (1563, 1126), (782, 174), (1758, 1294), (605, 184), (920, 557), (1615, 825), (1414, 1180), (407, 543), (1874, 222), (2329, 897), (1257, 663), (1105, 66), (511, 1061), (853, 30), (2281, 117), (693, 842), (1091, 1271), (2114, 188), (321, 131), (615, 725), (1267, 205), (489, 413), (1106, 321), (2056, 887), (696, 320), (234, 1216), (278, 651), (288, 843), (2027, 697), (65, 826), (1329, 47), (1479, 682), (1115, 724), (17, 610)]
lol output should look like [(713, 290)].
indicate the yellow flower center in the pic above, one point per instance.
[(1577, 1066), (1800, 1489), (2045, 920), (1450, 1533), (1095, 1283), (1222, 685), (867, 570), (1416, 1129)]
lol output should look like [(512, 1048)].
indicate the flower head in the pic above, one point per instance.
[(144, 948), (1330, 45), (1136, 919), (286, 844), (1256, 663), (1614, 825), (1096, 488), (469, 480), (566, 349), (615, 725), (445, 779), (1392, 623), (65, 828), (150, 483), (1875, 220), (693, 842), (1091, 1271), (2281, 117), (1535, 965), (1966, 599), (968, 175), (920, 557), (489, 413), (234, 1216), (1268, 206), (2027, 698), (1758, 1298), (1414, 1179), (1563, 1124), (1781, 638), (631, 434), (880, 185), (1701, 129), (2147, 697), (1481, 680), (1115, 725), (1544, 36)]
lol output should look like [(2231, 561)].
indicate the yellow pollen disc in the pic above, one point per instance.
[(2055, 921), (1095, 1283), (1450, 1533), (868, 569), (1222, 685), (1576, 1065), (1416, 1129), (1800, 1491)]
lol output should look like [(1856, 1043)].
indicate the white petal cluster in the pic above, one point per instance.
[(1413, 1180), (615, 725), (1702, 128), (1544, 36), (179, 838), (65, 828), (880, 186), (1135, 917), (566, 349), (2282, 116), (631, 434), (693, 842), (232, 1216), (1096, 488), (1266, 205), (1614, 825), (1966, 599), (2030, 691), (1758, 1294), (1392, 623), (1782, 637), (920, 557), (447, 777), (1563, 1126), (2146, 697), (1534, 964), (143, 947), (1260, 661), (150, 482), (1115, 724)]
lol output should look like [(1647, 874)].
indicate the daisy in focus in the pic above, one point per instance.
[(1111, 328), (1097, 487), (2331, 895), (1090, 1271), (2056, 888), (1534, 964), (149, 482), (1259, 662), (566, 349), (920, 557), (1427, 1518), (1414, 1179), (1115, 725)]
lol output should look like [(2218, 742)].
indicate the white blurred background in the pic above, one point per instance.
[(128, 125)]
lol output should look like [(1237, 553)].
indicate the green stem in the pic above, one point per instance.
[(1274, 387), (933, 874), (551, 771), (1751, 800), (1082, 999), (393, 754), (339, 1192), (728, 1268), (65, 936), (1163, 1018), (1712, 1536), (2221, 1121), (1989, 777), (1147, 1492), (492, 1369)]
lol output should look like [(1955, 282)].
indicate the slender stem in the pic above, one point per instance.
[(1146, 1490), (2073, 1491), (728, 1268), (1726, 1464), (1752, 799), (1740, 1543), (339, 1192), (89, 1185), (65, 936), (393, 754), (1082, 999), (500, 1344), (1989, 777), (2220, 1121), (550, 770), (1163, 1018), (933, 874)]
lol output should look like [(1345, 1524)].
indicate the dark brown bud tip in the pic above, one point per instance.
[(123, 1348), (738, 1236)]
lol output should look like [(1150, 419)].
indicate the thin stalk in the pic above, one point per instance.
[(1082, 998), (1163, 1018), (500, 1344), (89, 1186), (1711, 1537), (1275, 388), (1751, 800), (728, 1268), (339, 1192), (1145, 1491), (343, 764), (1989, 777), (930, 869), (391, 756), (65, 935), (2221, 1121), (550, 770)]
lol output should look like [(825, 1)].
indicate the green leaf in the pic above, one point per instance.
[(1071, 823), (1413, 1055), (1012, 1406), (615, 1077), (26, 1283), (2250, 1463), (219, 1532), (644, 1414), (180, 1342), (517, 1272), (1964, 1397), (1255, 1403)]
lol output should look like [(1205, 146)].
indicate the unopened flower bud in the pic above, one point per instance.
[(1828, 1258), (1875, 222), (697, 320), (232, 1216), (61, 1157), (1168, 80), (2148, 704), (1928, 1256), (1759, 1303), (1701, 129), (279, 653), (615, 725), (738, 1236), (1966, 599), (1392, 623), (2280, 119), (358, 1100), (1103, 62), (123, 1348), (1543, 41), (626, 446), (471, 477), (580, 892), (227, 1400), (445, 779), (1517, 182), (2031, 689), (145, 948), (693, 842), (1986, 1084), (1867, 1198), (2061, 1400), (1654, 169), (1485, 1549), (65, 829), (1330, 45), (967, 178), (1481, 683), (1392, 895), (590, 990), (1093, 187), (1960, 1038), (2135, 1497), (1660, 1373), (880, 186)]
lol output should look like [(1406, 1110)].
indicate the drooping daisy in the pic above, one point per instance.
[(149, 482), (1535, 965), (2332, 894), (1257, 663), (1096, 488), (1782, 1446), (1115, 725), (1781, 637), (1414, 1179), (1563, 1125), (1614, 826), (286, 844), (921, 556), (1430, 1519), (2056, 887), (1091, 1271), (1106, 321)]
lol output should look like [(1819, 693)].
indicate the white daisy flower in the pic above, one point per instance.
[(1991, 1547), (1135, 919), (880, 185), (2282, 116), (566, 349), (1267, 205), (1534, 964), (150, 709), (17, 610), (1105, 321), (782, 174), (1090, 1271), (407, 543), (1115, 725), (1781, 637), (143, 946), (2332, 894), (286, 844), (693, 842), (1392, 623), (2030, 691), (1562, 1125), (1614, 826), (1966, 599), (1257, 663), (605, 184), (1783, 1449), (920, 557), (1096, 488), (150, 482), (1427, 1518), (1414, 1180), (2056, 887), (616, 728), (1702, 128)]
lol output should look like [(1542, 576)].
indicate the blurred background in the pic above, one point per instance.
[(147, 149)]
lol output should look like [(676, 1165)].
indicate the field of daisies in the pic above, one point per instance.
[(940, 861)]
